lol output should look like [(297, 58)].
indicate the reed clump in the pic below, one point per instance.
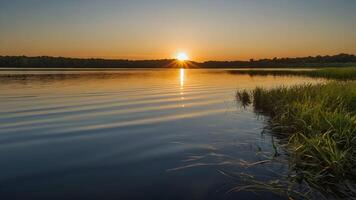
[(320, 123)]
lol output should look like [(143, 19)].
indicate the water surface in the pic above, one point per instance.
[(131, 134)]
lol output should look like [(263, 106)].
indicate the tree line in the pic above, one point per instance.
[(62, 62)]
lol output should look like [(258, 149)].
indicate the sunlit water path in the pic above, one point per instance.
[(130, 134)]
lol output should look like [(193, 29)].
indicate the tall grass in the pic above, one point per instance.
[(320, 123), (346, 73)]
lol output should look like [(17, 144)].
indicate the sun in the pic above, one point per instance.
[(182, 56)]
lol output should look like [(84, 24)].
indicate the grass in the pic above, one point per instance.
[(345, 73), (320, 123)]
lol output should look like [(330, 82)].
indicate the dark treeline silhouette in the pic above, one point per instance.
[(61, 62), (321, 61)]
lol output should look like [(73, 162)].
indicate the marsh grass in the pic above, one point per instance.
[(345, 73), (280, 187), (319, 122)]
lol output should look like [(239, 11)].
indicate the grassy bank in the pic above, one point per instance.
[(347, 73), (320, 122)]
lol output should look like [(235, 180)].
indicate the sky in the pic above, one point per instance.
[(155, 29)]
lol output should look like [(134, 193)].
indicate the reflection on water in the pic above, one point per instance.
[(181, 78), (109, 134)]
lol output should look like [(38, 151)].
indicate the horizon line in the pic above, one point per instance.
[(204, 61)]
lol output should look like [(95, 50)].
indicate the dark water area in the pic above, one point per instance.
[(132, 134)]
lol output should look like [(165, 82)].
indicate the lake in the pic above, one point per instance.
[(133, 134)]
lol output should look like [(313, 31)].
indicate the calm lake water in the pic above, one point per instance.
[(131, 134)]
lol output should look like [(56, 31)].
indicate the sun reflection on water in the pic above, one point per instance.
[(181, 79)]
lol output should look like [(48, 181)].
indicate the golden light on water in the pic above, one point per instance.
[(181, 78), (182, 56)]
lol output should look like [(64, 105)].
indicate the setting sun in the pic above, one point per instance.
[(182, 56)]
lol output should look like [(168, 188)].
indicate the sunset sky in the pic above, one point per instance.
[(154, 29)]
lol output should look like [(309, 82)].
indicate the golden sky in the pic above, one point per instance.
[(205, 30)]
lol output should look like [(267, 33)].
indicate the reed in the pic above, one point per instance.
[(320, 123)]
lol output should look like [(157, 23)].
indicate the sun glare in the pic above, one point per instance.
[(182, 56)]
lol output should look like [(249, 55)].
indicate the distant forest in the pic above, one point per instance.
[(62, 62)]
